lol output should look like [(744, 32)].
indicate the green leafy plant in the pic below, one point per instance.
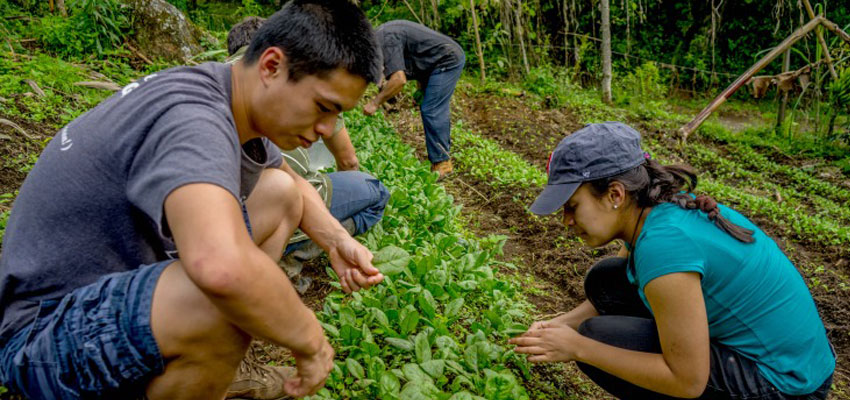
[(839, 98), (435, 329), (94, 26), (6, 200), (488, 161)]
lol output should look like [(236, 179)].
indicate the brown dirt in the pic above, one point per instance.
[(558, 265), (14, 147)]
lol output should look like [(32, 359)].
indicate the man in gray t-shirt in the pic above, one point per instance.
[(413, 51), (140, 255)]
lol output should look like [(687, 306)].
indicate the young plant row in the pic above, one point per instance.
[(800, 180), (801, 226), (751, 159), (436, 327), (488, 161), (708, 160)]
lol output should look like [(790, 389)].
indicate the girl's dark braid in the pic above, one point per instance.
[(666, 185)]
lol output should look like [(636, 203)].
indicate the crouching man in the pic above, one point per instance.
[(140, 255), (354, 198)]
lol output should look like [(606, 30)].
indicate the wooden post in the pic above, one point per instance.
[(605, 10), (413, 12), (835, 29), (519, 29), (478, 50), (780, 116), (566, 34), (690, 127), (60, 5), (822, 42)]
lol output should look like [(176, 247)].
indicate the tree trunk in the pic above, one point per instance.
[(566, 34), (60, 5), (605, 10), (478, 50), (519, 30), (436, 19)]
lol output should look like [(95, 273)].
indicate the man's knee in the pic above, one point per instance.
[(383, 195), (277, 190), (275, 199)]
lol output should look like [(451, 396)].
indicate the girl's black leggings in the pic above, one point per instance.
[(625, 322)]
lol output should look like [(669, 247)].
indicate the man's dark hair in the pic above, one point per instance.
[(241, 34), (319, 36)]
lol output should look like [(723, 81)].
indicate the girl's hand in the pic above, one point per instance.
[(546, 341)]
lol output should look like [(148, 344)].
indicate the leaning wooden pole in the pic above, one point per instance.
[(686, 130), (822, 42), (832, 26)]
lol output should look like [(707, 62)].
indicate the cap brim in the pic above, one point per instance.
[(553, 197)]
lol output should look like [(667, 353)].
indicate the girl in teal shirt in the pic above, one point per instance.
[(705, 305)]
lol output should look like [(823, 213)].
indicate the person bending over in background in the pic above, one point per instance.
[(165, 214), (413, 51), (705, 305), (355, 198)]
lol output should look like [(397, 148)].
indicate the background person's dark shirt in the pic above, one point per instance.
[(416, 49)]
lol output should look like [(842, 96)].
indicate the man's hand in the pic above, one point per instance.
[(352, 262), (351, 164), (370, 108), (313, 370), (548, 342)]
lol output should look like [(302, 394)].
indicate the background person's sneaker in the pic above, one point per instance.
[(443, 168)]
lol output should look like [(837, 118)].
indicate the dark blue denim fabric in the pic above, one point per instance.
[(93, 343), (355, 195), (358, 196), (625, 322), (436, 112)]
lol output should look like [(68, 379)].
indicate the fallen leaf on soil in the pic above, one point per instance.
[(35, 87)]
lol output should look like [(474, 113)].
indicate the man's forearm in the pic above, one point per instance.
[(393, 87), (343, 151), (265, 305), (316, 220)]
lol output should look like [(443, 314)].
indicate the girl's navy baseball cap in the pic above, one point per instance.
[(594, 152)]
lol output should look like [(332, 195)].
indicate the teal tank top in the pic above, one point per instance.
[(756, 300)]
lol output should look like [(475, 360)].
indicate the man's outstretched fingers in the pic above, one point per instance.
[(364, 261), (525, 341)]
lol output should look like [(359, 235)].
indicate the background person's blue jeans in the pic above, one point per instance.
[(436, 112), (356, 195), (625, 322)]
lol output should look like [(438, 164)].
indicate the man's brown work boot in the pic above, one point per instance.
[(255, 381), (443, 168)]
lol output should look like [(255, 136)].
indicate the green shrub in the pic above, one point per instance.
[(644, 83), (549, 83), (94, 26)]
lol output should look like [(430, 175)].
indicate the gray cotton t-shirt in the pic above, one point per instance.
[(416, 49), (93, 203)]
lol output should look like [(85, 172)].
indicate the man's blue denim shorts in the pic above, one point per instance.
[(95, 342)]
